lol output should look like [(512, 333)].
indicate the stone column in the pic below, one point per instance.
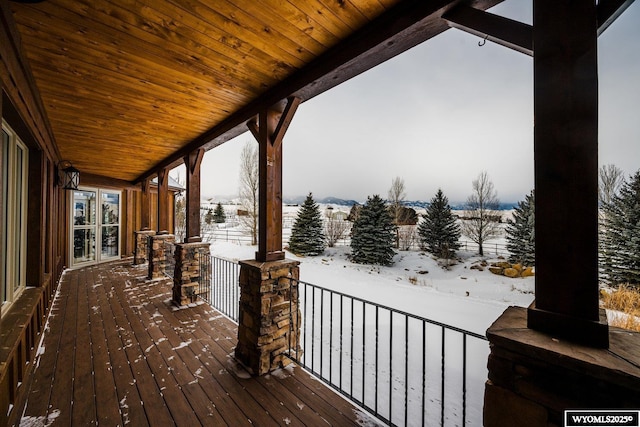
[(534, 377), (187, 277), (158, 257), (269, 323), (140, 251)]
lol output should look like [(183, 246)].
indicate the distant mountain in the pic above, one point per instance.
[(502, 207), (298, 200)]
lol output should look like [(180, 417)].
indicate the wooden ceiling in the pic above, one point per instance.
[(129, 86)]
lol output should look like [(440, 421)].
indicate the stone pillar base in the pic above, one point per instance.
[(158, 257), (190, 272), (269, 324), (140, 252), (534, 377)]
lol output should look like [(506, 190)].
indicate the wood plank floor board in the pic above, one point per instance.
[(83, 408), (129, 401), (104, 383), (41, 383), (61, 399), (120, 353), (289, 397)]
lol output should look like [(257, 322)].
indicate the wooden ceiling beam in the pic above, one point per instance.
[(503, 31), (608, 11), (402, 27)]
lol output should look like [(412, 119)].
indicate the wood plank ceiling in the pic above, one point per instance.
[(130, 85)]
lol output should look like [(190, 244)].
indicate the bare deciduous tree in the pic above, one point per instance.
[(611, 179), (249, 190), (408, 237), (481, 217), (396, 196), (336, 228), (180, 212)]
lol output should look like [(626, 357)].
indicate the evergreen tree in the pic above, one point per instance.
[(439, 232), (521, 232), (218, 215), (620, 238), (307, 235), (373, 234)]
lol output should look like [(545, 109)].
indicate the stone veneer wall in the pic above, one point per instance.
[(157, 257), (186, 277), (140, 251), (269, 315), (534, 378)]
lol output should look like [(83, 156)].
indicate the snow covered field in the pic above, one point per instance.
[(437, 294)]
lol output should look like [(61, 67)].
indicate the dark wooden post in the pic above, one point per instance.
[(192, 161), (163, 200), (566, 172), (36, 218), (146, 205), (269, 130)]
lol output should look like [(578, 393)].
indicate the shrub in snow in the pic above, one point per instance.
[(521, 232), (620, 235), (373, 234), (307, 235), (439, 232)]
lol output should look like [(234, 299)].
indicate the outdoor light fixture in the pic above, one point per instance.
[(70, 176)]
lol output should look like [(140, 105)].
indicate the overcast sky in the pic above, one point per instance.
[(437, 116)]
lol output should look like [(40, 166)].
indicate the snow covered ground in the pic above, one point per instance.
[(460, 296)]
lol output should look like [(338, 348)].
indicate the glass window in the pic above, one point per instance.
[(96, 225), (14, 158), (110, 208), (4, 178)]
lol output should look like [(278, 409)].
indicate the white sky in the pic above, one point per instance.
[(437, 116)]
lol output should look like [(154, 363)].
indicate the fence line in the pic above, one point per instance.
[(238, 236)]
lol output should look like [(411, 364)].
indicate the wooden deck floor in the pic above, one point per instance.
[(116, 352)]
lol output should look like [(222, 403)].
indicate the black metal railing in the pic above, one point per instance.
[(225, 287), (402, 368), (169, 258), (203, 290)]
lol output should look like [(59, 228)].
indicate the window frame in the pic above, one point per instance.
[(13, 219)]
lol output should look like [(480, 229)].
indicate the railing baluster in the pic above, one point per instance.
[(464, 380), (364, 351), (442, 382), (390, 365), (424, 368), (406, 370), (331, 336), (377, 357)]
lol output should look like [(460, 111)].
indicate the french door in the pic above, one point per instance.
[(95, 218)]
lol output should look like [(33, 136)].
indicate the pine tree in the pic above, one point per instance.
[(439, 231), (219, 216), (521, 232), (620, 238), (307, 235), (373, 234)]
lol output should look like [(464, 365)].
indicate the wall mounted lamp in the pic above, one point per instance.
[(70, 176)]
